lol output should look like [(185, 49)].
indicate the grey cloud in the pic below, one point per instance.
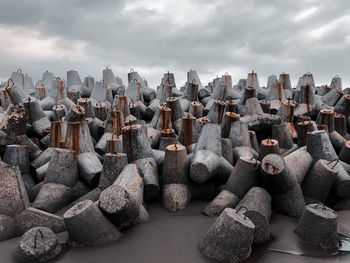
[(237, 35)]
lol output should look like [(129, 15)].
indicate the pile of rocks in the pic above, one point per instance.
[(86, 158)]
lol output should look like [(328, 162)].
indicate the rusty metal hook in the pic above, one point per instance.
[(337, 160), (239, 209), (35, 238)]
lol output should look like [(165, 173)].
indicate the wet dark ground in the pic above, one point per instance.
[(172, 238)]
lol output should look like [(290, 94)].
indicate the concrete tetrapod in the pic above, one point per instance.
[(299, 163), (268, 146), (229, 238), (113, 164), (223, 200), (187, 135), (62, 168), (344, 154), (89, 167), (282, 134), (204, 165), (119, 206), (132, 181), (254, 141), (175, 165), (7, 227), (320, 146), (210, 139), (148, 170), (287, 197), (86, 225), (17, 155), (38, 244), (318, 226), (176, 112), (319, 181), (32, 217), (13, 198), (243, 151), (135, 143), (243, 176), (175, 196), (239, 134), (258, 205), (226, 124), (52, 197)]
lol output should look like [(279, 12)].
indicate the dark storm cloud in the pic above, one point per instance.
[(154, 36)]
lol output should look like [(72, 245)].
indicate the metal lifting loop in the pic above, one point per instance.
[(337, 160), (35, 238), (239, 209), (320, 205), (256, 161), (113, 135), (271, 165), (8, 82)]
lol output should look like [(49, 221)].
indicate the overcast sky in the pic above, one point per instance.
[(153, 36)]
